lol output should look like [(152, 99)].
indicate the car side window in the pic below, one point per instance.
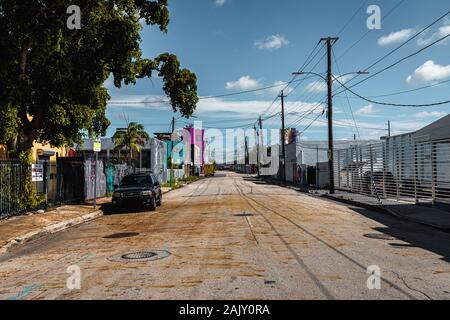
[(155, 180)]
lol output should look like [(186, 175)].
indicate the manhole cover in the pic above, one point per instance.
[(141, 256), (121, 235), (138, 255), (379, 236)]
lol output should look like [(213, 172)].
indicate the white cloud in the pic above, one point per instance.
[(272, 42), (316, 86), (220, 3), (277, 87), (244, 83), (430, 114), (442, 32), (396, 37), (321, 86), (366, 110), (214, 107), (429, 72)]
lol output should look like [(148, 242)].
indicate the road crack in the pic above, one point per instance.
[(409, 287)]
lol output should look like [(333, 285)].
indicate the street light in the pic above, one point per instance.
[(329, 81)]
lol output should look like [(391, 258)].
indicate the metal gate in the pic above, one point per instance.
[(12, 175), (70, 180), (400, 169)]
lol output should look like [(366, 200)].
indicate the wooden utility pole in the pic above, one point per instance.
[(171, 152), (389, 128), (330, 41), (283, 140)]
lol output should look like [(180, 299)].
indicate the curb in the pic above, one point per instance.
[(381, 209), (50, 229)]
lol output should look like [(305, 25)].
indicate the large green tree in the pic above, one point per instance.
[(51, 78)]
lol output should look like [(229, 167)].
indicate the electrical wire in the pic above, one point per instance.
[(393, 104), (405, 58), (402, 92)]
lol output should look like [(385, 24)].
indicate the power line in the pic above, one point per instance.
[(348, 101), (352, 17), (345, 125), (304, 65), (403, 92), (405, 58), (206, 97), (394, 104), (384, 18)]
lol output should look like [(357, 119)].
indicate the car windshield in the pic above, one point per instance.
[(140, 181)]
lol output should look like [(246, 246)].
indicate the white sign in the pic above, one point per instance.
[(37, 172)]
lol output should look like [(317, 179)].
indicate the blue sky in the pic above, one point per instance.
[(234, 45)]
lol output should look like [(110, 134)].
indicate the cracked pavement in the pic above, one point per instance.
[(234, 237)]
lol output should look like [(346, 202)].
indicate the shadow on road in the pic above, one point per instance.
[(416, 235), (109, 209)]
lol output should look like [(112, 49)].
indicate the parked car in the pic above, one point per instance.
[(138, 190)]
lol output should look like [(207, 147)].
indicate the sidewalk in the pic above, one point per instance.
[(18, 230), (437, 216)]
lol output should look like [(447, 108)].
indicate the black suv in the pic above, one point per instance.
[(138, 190)]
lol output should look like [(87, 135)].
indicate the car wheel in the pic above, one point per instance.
[(159, 202), (152, 205)]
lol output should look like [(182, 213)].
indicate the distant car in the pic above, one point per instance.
[(226, 167), (138, 190)]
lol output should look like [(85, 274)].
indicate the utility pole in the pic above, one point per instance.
[(330, 41), (389, 128), (262, 145), (246, 151), (283, 135), (171, 151)]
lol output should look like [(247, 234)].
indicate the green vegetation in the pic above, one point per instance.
[(180, 182), (28, 198), (51, 78), (132, 139), (190, 179)]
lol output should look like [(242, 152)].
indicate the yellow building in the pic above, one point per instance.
[(41, 152), (45, 154)]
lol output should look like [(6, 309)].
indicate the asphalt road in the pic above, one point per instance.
[(233, 237)]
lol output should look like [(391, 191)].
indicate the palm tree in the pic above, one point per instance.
[(131, 138)]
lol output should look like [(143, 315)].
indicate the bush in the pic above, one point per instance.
[(190, 179)]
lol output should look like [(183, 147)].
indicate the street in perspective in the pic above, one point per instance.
[(166, 150)]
